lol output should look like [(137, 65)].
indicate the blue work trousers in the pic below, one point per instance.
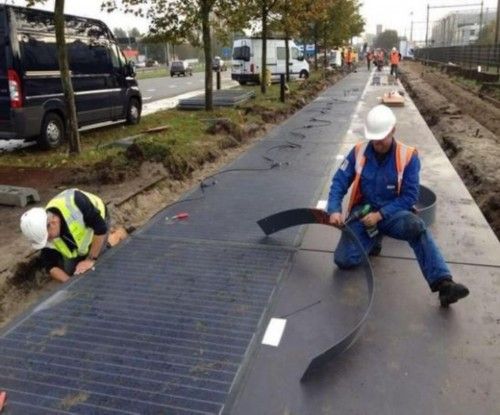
[(404, 226)]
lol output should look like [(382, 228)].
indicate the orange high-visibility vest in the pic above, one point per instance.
[(394, 58), (404, 154)]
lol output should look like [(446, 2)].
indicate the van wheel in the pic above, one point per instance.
[(133, 111), (304, 74), (52, 132)]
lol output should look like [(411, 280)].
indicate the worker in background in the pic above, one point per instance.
[(349, 59), (71, 232), (379, 59), (384, 174), (369, 58), (395, 57)]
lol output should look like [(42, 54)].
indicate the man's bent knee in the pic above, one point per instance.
[(415, 227)]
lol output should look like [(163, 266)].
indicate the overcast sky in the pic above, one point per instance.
[(391, 14)]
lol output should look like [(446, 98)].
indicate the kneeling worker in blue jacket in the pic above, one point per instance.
[(384, 174)]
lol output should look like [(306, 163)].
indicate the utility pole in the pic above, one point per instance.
[(411, 26), (427, 27), (481, 18), (497, 29)]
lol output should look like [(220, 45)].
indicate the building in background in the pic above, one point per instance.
[(379, 29), (460, 27)]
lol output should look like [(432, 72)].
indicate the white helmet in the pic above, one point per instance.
[(34, 227), (394, 49), (379, 123)]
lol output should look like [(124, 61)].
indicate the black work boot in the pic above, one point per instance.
[(377, 247), (450, 292)]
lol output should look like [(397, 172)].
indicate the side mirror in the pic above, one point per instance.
[(130, 69)]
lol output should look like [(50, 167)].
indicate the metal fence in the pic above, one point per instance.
[(468, 57)]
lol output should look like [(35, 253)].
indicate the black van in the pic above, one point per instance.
[(31, 98)]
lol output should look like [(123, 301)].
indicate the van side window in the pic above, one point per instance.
[(115, 57), (88, 57), (281, 53), (39, 52), (295, 53)]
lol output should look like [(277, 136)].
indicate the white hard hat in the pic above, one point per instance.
[(394, 49), (379, 122), (34, 227)]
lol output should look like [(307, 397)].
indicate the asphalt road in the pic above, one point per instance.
[(159, 88)]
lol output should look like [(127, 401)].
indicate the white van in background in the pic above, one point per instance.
[(247, 59)]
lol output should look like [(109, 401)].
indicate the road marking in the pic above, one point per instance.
[(321, 204), (151, 90), (274, 331), (189, 83), (146, 98), (172, 86)]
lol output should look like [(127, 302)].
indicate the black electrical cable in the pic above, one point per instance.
[(325, 122)]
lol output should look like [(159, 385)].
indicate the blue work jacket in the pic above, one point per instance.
[(379, 183)]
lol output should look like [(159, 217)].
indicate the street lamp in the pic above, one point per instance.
[(411, 26)]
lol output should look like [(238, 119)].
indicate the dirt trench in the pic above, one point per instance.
[(454, 115)]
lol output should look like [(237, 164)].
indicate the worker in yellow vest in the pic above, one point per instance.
[(71, 232), (383, 175)]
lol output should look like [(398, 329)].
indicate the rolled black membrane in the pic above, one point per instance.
[(303, 216)]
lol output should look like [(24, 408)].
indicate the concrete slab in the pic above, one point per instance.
[(18, 196), (221, 98)]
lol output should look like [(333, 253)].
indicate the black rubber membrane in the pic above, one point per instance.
[(303, 216)]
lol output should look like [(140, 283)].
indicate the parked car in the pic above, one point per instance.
[(152, 63), (32, 103), (218, 64), (181, 68)]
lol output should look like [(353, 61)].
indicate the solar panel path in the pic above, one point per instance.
[(171, 322)]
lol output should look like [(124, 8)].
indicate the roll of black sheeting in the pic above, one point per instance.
[(303, 216)]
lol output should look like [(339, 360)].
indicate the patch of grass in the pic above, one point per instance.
[(468, 83)]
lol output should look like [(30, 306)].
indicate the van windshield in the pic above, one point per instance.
[(241, 53)]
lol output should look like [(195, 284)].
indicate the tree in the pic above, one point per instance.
[(264, 8), (183, 20), (331, 22), (119, 32), (67, 86), (290, 21), (487, 34), (387, 40)]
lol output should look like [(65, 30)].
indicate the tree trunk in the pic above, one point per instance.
[(315, 35), (69, 96), (287, 56), (325, 61), (287, 47), (263, 75), (207, 49)]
